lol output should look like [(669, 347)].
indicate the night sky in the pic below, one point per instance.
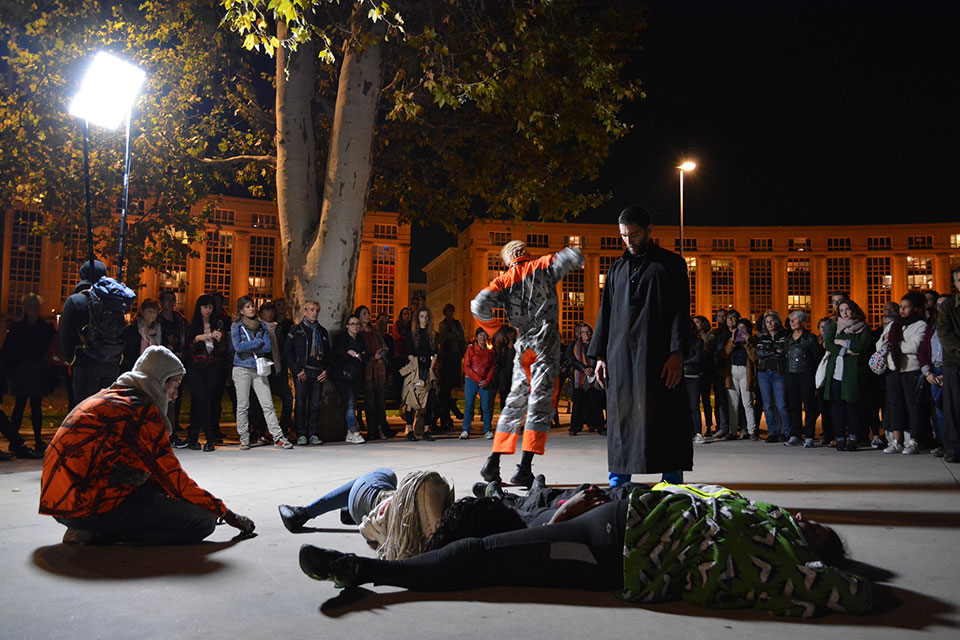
[(795, 112)]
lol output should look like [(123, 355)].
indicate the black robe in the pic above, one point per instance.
[(648, 425)]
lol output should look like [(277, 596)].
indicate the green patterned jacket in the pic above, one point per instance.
[(725, 551)]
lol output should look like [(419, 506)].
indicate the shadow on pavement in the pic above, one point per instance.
[(118, 562), (890, 604), (746, 487), (874, 517)]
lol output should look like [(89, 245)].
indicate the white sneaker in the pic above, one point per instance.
[(354, 437), (464, 435), (488, 435), (895, 447), (699, 439), (911, 448)]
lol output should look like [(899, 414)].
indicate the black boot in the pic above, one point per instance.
[(490, 470), (523, 476), (293, 517)]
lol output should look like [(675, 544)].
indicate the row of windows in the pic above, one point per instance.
[(757, 245)]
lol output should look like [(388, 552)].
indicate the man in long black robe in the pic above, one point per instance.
[(641, 331)]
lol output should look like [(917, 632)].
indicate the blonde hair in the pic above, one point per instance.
[(406, 531), (512, 250)]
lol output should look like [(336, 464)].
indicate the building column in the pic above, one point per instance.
[(363, 287), (741, 284), (858, 280), (941, 274), (241, 263), (401, 288), (591, 288), (898, 272), (818, 286), (704, 306), (779, 290)]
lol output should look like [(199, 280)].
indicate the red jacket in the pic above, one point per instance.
[(479, 364), (109, 445)]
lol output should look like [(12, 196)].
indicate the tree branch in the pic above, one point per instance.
[(238, 160)]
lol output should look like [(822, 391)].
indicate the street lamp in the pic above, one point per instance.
[(686, 166), (106, 96)]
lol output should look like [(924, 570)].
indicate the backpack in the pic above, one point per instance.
[(107, 303)]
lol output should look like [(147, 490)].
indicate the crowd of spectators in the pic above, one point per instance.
[(879, 387)]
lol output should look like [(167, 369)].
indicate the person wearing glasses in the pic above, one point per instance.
[(350, 357)]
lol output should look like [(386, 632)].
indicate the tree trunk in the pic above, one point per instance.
[(323, 259), (297, 196)]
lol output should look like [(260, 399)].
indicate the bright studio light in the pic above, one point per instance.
[(107, 91), (687, 166)]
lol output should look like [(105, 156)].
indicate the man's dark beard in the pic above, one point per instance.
[(640, 248)]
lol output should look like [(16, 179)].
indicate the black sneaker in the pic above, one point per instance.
[(573, 431), (177, 443), (26, 453), (523, 477), (411, 436), (479, 489), (328, 564), (193, 446), (773, 438), (293, 517), (490, 470), (208, 446), (426, 436)]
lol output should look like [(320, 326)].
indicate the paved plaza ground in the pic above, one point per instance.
[(899, 514)]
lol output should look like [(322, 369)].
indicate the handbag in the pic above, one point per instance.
[(878, 361), (264, 366), (820, 376)]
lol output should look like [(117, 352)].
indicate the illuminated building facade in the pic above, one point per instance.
[(752, 269), (239, 256)]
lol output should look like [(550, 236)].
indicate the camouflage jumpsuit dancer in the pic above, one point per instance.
[(528, 293)]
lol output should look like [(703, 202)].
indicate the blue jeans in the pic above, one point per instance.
[(357, 496), (773, 389), (470, 391), (348, 394)]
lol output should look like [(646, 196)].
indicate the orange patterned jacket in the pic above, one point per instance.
[(107, 447)]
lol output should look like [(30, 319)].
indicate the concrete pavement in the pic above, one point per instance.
[(900, 514)]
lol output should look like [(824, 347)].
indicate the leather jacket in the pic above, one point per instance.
[(804, 354)]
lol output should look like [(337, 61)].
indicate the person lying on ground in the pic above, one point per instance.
[(110, 474), (717, 550), (394, 518)]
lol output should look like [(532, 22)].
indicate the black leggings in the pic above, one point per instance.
[(583, 553)]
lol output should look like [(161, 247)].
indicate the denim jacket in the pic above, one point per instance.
[(246, 351)]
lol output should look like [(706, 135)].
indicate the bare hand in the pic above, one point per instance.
[(302, 376), (839, 342), (323, 376), (589, 372), (581, 503), (601, 373), (672, 370), (934, 379), (353, 353)]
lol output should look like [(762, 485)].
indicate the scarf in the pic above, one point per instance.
[(851, 325), (314, 352), (252, 324), (149, 336), (895, 337)]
